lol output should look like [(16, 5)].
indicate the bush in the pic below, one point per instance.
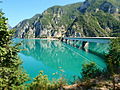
[(90, 71), (41, 82)]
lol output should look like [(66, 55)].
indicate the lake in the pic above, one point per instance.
[(58, 59)]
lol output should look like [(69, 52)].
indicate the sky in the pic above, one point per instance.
[(18, 10)]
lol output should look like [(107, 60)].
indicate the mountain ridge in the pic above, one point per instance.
[(74, 20)]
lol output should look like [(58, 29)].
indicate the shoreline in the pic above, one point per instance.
[(42, 38)]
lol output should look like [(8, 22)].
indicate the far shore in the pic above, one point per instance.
[(45, 38)]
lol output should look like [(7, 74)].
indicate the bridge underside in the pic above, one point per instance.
[(86, 40)]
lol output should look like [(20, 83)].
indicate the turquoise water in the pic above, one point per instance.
[(58, 57)]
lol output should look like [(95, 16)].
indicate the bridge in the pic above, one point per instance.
[(85, 40)]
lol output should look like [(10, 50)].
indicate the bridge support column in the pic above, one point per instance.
[(83, 44), (68, 41), (65, 40), (62, 39), (76, 43), (77, 46), (73, 43)]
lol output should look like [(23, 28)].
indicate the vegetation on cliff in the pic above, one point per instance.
[(90, 18)]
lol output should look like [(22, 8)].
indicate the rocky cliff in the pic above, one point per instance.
[(90, 18)]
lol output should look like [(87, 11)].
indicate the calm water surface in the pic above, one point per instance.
[(57, 57)]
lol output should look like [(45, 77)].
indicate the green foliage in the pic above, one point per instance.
[(95, 24), (90, 71), (106, 20), (11, 73), (113, 58), (41, 82), (97, 3)]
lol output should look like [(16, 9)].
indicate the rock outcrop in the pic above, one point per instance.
[(90, 18)]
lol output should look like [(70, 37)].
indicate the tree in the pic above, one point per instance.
[(11, 73), (113, 58), (90, 71)]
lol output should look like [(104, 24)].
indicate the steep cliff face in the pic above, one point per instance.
[(90, 18), (29, 28), (109, 6)]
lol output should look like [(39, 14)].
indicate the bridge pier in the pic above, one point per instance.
[(83, 44), (73, 43), (65, 40), (76, 43), (62, 39), (77, 46), (70, 42)]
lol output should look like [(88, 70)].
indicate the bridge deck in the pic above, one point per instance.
[(91, 39)]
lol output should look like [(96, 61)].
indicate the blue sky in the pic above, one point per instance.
[(18, 10)]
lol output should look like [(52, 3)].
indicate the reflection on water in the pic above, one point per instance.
[(100, 48), (97, 48), (51, 56)]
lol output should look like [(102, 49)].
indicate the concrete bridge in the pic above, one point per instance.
[(85, 40)]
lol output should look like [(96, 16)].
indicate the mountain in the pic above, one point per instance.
[(83, 19)]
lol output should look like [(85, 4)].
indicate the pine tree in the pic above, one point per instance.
[(11, 73)]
